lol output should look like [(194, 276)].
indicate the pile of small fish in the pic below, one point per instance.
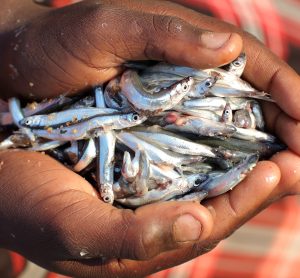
[(159, 132)]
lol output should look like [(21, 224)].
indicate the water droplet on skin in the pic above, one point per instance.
[(270, 179), (178, 27), (104, 25), (31, 84), (19, 31), (14, 72), (83, 253)]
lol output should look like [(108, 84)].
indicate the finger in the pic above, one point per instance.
[(286, 128), (289, 165), (264, 70), (230, 211), (55, 3), (116, 233), (76, 225), (235, 207), (81, 50), (34, 188)]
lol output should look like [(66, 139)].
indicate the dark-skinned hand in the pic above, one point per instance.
[(54, 217)]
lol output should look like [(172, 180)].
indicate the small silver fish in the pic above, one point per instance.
[(238, 65), (34, 108), (201, 126), (72, 152), (88, 155), (114, 98), (130, 168), (217, 185), (172, 141), (151, 104), (178, 187), (251, 134), (227, 114), (208, 103), (258, 114), (244, 118), (67, 117), (105, 166), (156, 154), (89, 128)]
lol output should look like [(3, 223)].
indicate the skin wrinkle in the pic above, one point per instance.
[(38, 70), (48, 56), (234, 212), (56, 194), (76, 57), (100, 14), (93, 241), (128, 218), (28, 193)]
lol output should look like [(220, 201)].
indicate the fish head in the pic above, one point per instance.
[(132, 119), (227, 114), (240, 61), (197, 179), (28, 121), (185, 84)]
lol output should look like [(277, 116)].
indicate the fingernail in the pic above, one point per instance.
[(186, 228), (214, 40)]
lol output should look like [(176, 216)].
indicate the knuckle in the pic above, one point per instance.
[(136, 242), (167, 24), (152, 51)]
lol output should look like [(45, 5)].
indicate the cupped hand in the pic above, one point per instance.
[(73, 48), (45, 206), (55, 218)]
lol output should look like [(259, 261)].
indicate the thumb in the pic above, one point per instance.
[(55, 3), (171, 39), (81, 45), (140, 235)]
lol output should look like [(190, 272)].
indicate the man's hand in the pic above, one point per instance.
[(73, 48), (54, 217), (45, 206)]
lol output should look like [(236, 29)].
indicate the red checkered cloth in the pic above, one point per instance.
[(269, 244)]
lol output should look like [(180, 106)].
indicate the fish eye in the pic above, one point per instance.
[(208, 84), (237, 63), (27, 122), (117, 170), (185, 86), (107, 199), (135, 117), (197, 182)]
